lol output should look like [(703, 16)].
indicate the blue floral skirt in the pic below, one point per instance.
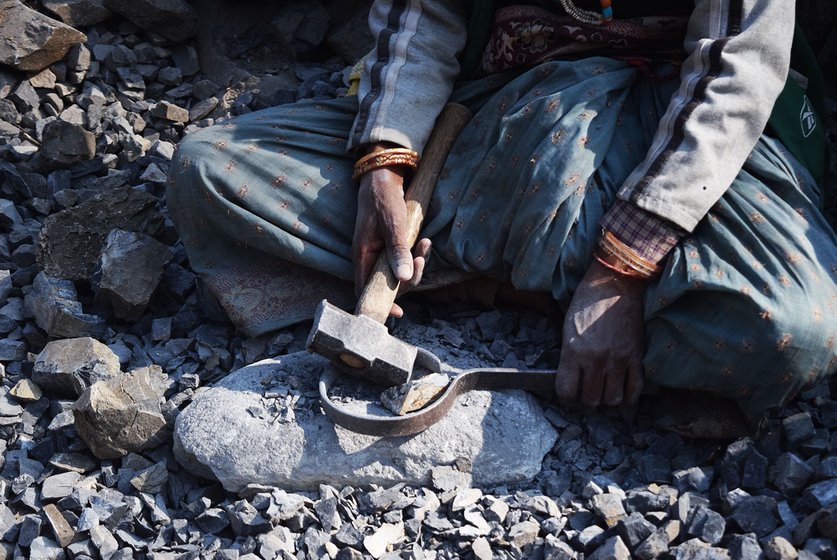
[(746, 306)]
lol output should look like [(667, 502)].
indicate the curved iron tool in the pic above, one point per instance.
[(541, 382)]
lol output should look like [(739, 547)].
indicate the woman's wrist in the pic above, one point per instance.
[(382, 156)]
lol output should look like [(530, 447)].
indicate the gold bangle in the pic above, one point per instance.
[(385, 158), (614, 251), (618, 266)]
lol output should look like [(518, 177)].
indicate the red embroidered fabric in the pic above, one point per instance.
[(528, 35)]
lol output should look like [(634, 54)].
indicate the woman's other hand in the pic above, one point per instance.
[(603, 341)]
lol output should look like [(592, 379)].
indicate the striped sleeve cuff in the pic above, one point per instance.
[(648, 235)]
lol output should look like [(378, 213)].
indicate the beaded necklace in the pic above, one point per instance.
[(587, 16)]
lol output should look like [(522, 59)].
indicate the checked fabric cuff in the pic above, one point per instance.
[(648, 235)]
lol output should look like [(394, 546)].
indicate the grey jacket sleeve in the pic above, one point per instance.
[(738, 54), (409, 74)]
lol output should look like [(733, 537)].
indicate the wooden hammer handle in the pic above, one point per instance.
[(382, 286)]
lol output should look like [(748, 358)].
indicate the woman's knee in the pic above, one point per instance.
[(758, 351), (799, 335)]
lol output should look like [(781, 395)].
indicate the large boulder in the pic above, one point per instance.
[(251, 428), (173, 19), (31, 41), (70, 242)]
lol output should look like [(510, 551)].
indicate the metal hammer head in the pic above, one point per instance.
[(364, 348)]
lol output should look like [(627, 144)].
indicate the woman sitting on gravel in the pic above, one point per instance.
[(617, 159)]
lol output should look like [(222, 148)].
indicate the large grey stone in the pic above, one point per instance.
[(173, 19), (70, 242), (131, 267), (32, 41), (53, 302), (503, 435), (68, 367), (78, 12), (122, 415)]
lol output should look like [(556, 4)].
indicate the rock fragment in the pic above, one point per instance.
[(54, 305), (44, 79), (170, 112), (378, 543), (77, 462), (756, 514), (173, 19), (31, 40), (791, 474), (26, 390), (798, 427), (707, 525), (30, 529), (609, 508), (612, 549), (10, 411), (415, 394), (822, 494), (122, 415), (68, 367), (524, 533), (59, 486), (78, 13), (43, 548), (482, 549), (151, 480), (62, 531), (70, 242), (132, 265), (104, 541), (245, 520), (65, 143)]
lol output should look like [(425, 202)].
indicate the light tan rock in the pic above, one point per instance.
[(122, 415), (414, 395), (60, 528), (26, 390)]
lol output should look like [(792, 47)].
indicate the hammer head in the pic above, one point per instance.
[(362, 347)]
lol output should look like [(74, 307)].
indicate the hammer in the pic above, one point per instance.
[(360, 344)]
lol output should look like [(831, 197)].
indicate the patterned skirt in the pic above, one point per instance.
[(746, 306)]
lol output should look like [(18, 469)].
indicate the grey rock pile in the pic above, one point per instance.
[(114, 359)]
